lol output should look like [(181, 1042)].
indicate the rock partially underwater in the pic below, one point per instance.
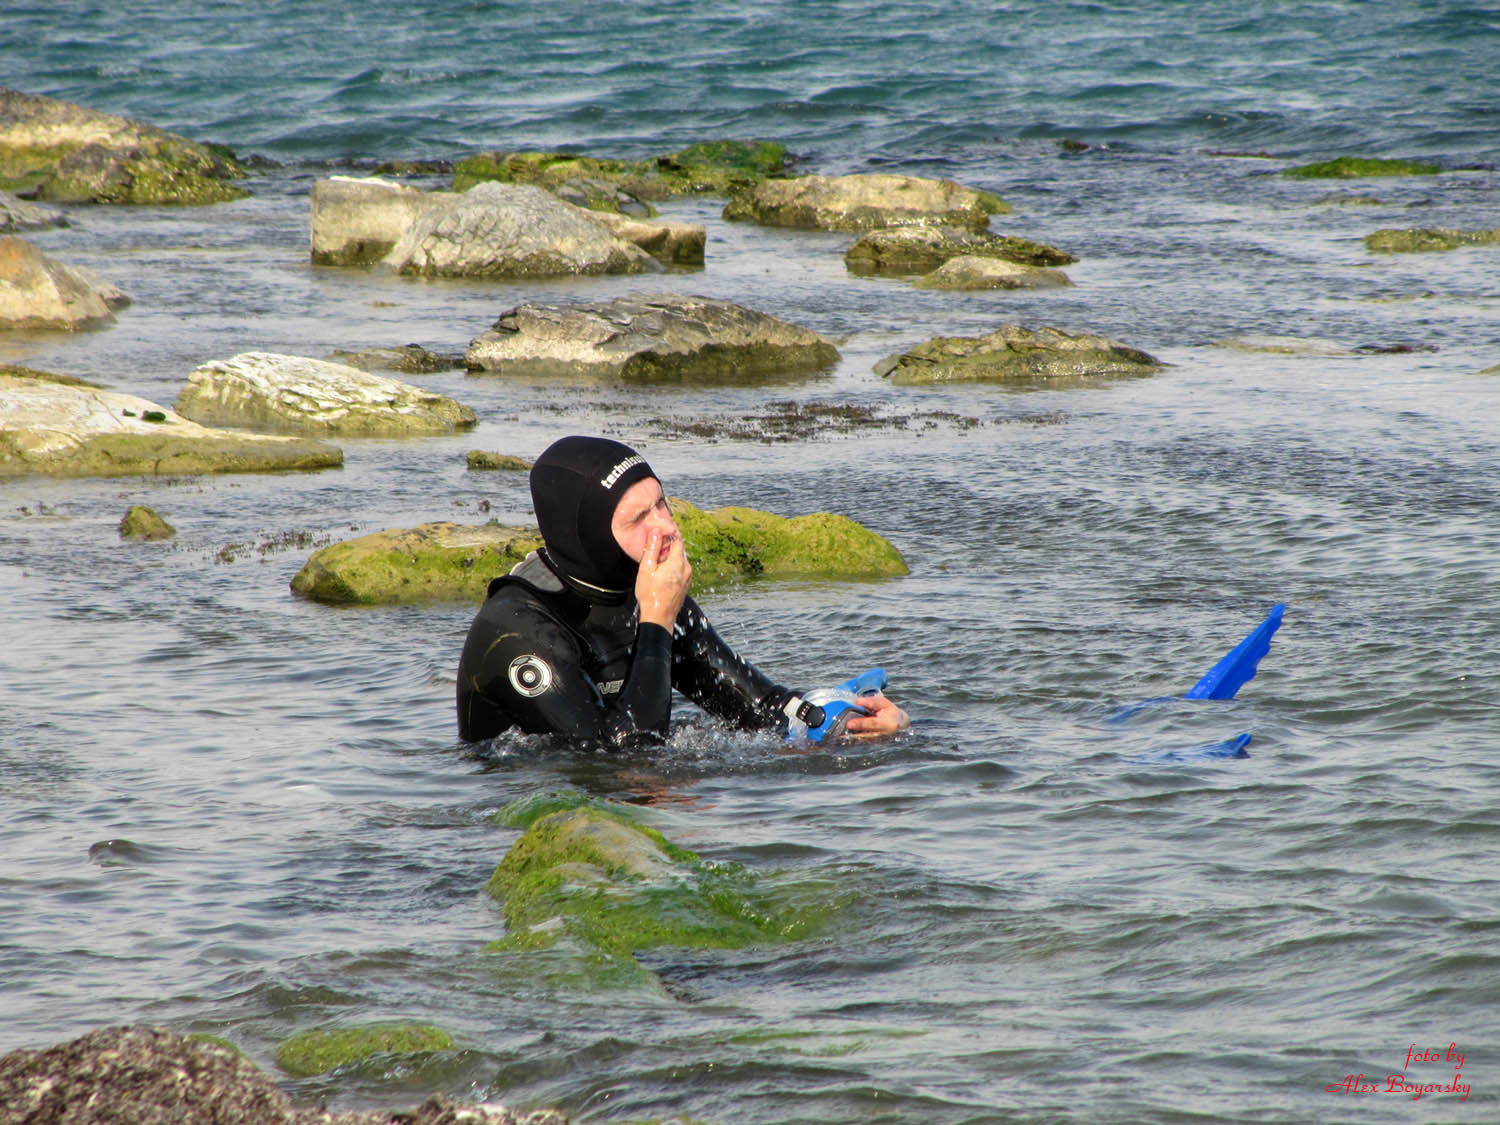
[(327, 1049), (65, 153), (972, 272), (706, 168), (1354, 167), (1416, 240), (1012, 354), (901, 251), (294, 394), (151, 1076), (661, 338), (70, 430), (39, 292), (865, 202), (455, 562), (591, 882)]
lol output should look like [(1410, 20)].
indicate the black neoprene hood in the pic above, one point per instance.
[(576, 485)]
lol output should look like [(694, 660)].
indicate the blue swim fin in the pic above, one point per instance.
[(1239, 664)]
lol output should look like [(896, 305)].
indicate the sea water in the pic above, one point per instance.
[(228, 810)]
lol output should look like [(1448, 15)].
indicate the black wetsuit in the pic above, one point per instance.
[(543, 657)]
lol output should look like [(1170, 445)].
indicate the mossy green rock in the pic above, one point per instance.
[(483, 459), (899, 251), (68, 154), (1351, 167), (612, 887), (324, 1050), (710, 167), (1047, 357), (455, 562), (141, 522), (1425, 239)]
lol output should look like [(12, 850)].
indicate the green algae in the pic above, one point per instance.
[(730, 543), (1351, 167), (131, 454), (704, 168), (525, 811), (591, 883), (327, 1049), (482, 459), (141, 522), (1418, 240)]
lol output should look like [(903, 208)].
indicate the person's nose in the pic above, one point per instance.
[(662, 521)]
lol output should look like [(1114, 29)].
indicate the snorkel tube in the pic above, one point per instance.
[(824, 713)]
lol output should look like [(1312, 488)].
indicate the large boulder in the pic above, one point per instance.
[(664, 338), (68, 429), (18, 214), (865, 202), (39, 292), (512, 230), (1015, 354), (294, 394), (358, 221), (455, 562), (898, 251), (1391, 240), (68, 154), (152, 1076), (973, 272)]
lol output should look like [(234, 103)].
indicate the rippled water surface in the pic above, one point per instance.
[(228, 810)]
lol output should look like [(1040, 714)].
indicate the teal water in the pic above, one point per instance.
[(227, 810)]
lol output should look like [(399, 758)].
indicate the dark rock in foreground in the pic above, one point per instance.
[(149, 1076), (1045, 356), (665, 338)]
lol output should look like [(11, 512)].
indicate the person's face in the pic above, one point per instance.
[(642, 510)]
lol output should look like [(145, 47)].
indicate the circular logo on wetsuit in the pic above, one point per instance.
[(530, 675)]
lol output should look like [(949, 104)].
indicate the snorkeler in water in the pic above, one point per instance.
[(586, 638)]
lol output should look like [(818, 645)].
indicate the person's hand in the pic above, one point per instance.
[(662, 581), (883, 717)]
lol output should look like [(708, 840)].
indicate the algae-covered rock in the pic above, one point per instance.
[(1012, 354), (431, 562), (898, 251), (1351, 167), (327, 1049), (971, 272), (1285, 345), (71, 430), (864, 202), (610, 886), (512, 230), (650, 339), (730, 543), (455, 562), (141, 522), (1421, 239), (481, 459), (65, 153), (708, 167), (39, 292), (294, 394)]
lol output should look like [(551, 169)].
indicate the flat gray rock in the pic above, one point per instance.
[(665, 338), (294, 394), (1015, 354)]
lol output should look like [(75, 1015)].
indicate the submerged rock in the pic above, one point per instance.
[(970, 272), (455, 562), (897, 251), (151, 1076), (481, 459), (1351, 167), (65, 153), (18, 214), (294, 394), (1285, 345), (593, 879), (39, 292), (1419, 239), (326, 1049), (710, 167), (1015, 354), (512, 230), (409, 359), (664, 338), (71, 430), (865, 202), (141, 522)]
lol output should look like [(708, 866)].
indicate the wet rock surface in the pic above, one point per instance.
[(1417, 240), (664, 338), (897, 251), (294, 394), (18, 215), (150, 1076), (67, 429), (1015, 354), (864, 202), (971, 272), (40, 292)]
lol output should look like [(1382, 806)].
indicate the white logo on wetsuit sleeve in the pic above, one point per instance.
[(530, 675)]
